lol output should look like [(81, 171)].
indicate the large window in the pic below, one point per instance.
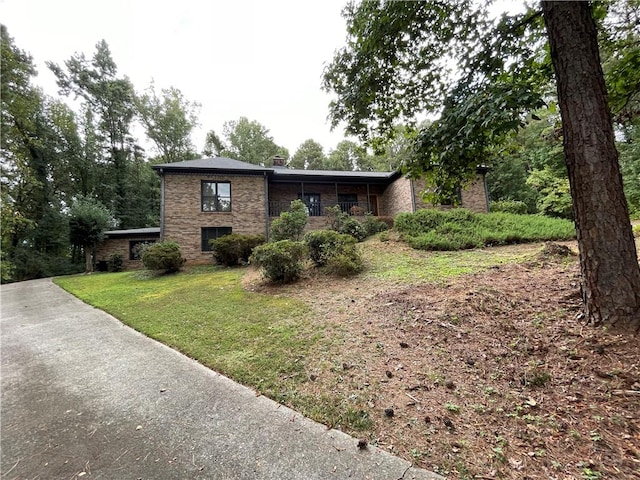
[(211, 233), (216, 196)]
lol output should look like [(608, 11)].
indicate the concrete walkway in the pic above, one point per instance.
[(84, 396)]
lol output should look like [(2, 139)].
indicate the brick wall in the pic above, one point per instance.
[(120, 246), (183, 218), (397, 198), (473, 196)]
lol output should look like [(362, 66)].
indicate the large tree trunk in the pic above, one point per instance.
[(88, 259), (608, 258)]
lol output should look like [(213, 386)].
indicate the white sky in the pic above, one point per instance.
[(262, 59), (259, 59)]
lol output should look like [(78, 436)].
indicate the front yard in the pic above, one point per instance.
[(470, 363)]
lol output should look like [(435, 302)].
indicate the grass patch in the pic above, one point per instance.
[(459, 229), (258, 340), (385, 261)]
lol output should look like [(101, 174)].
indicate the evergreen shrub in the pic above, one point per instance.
[(115, 263), (163, 257), (281, 261), (232, 249), (290, 225)]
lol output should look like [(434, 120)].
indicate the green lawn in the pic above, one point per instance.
[(264, 341), (258, 340)]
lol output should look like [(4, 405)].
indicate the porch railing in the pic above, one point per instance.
[(315, 209)]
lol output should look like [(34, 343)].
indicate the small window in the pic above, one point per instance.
[(216, 196), (211, 233), (136, 247)]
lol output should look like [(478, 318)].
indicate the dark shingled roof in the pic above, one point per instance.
[(139, 232), (209, 164), (229, 165)]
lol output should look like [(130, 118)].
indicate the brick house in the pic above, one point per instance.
[(206, 198)]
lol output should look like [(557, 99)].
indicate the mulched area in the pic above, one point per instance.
[(490, 375)]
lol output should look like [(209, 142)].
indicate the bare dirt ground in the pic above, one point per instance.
[(490, 375)]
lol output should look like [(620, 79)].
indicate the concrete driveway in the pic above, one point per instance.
[(84, 396)]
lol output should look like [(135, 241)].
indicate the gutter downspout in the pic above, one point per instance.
[(266, 206), (486, 191), (413, 196), (161, 205)]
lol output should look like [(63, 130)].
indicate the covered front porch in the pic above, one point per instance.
[(354, 199)]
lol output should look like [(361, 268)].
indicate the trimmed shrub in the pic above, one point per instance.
[(322, 244), (351, 226), (163, 257), (290, 225), (509, 206), (459, 228), (336, 252), (345, 262), (344, 223), (281, 261), (232, 249), (114, 263), (373, 225)]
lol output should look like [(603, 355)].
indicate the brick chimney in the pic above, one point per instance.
[(279, 162)]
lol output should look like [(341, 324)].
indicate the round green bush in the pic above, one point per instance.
[(232, 249), (282, 261), (163, 256), (509, 206)]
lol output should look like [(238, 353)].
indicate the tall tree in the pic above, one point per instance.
[(37, 137), (213, 145), (394, 66), (88, 220), (169, 120), (309, 155), (111, 98), (249, 141), (608, 257), (347, 156)]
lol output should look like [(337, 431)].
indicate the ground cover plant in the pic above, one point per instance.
[(473, 363), (456, 229)]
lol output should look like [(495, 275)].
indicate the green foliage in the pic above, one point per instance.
[(344, 223), (373, 225), (233, 249), (509, 206), (345, 262), (168, 120), (290, 225), (114, 263), (347, 156), (629, 149), (309, 155), (281, 261), (163, 257), (250, 142), (554, 193), (636, 230), (456, 229), (88, 220), (322, 244)]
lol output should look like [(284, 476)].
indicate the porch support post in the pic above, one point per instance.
[(368, 199)]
